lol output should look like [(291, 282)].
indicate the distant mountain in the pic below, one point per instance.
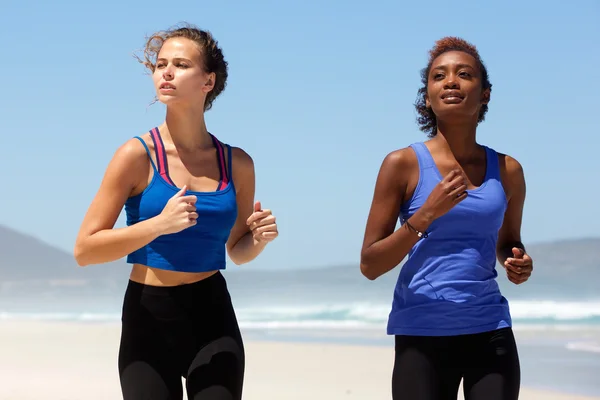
[(31, 269), (23, 256), (566, 266), (564, 269)]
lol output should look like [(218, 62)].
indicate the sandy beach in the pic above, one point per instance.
[(64, 361)]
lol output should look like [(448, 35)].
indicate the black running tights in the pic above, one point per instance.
[(431, 368), (170, 333)]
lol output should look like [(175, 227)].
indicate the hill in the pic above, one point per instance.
[(29, 267)]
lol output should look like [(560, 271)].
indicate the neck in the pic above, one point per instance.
[(459, 138), (186, 128)]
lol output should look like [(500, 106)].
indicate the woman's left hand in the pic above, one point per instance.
[(262, 224), (519, 267)]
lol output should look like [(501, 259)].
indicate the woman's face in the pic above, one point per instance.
[(454, 88), (179, 75)]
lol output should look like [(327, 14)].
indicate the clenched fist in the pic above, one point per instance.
[(179, 213), (262, 224)]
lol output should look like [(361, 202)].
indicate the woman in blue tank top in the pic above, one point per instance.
[(460, 206), (189, 200)]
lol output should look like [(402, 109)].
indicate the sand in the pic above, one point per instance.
[(64, 361)]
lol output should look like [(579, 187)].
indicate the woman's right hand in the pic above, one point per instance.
[(179, 213), (449, 192)]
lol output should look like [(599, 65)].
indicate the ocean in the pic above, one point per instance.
[(557, 324)]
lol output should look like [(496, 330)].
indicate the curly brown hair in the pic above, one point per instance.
[(426, 118), (212, 55)]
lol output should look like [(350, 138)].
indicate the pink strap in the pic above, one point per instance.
[(161, 155), (222, 169)]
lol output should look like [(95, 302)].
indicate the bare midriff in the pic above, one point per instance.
[(158, 277)]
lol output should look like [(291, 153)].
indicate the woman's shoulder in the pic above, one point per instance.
[(511, 174), (398, 168), (509, 165), (242, 165), (131, 158), (240, 157), (128, 165), (401, 158), (133, 148)]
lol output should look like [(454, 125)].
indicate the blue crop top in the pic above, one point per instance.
[(198, 248), (448, 284)]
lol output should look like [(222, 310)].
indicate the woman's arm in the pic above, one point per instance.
[(254, 227), (383, 249), (510, 251), (97, 241)]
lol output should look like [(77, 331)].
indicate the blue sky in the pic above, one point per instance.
[(319, 93)]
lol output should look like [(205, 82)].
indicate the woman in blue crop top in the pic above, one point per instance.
[(460, 206), (189, 200)]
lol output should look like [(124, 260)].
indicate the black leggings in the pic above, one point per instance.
[(431, 368), (185, 331)]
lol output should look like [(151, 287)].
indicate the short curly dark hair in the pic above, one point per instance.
[(426, 118), (212, 55)]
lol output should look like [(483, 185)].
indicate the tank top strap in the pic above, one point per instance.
[(223, 176), (423, 155), (161, 155), (492, 164), (229, 162), (143, 142)]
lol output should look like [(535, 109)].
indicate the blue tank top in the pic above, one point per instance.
[(199, 248), (448, 284)]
